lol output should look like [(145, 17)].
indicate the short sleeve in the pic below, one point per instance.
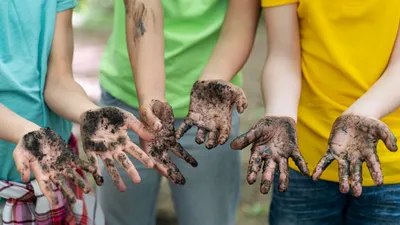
[(63, 5), (270, 3)]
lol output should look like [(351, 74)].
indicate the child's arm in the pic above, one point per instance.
[(274, 137), (103, 130), (384, 96), (360, 128), (207, 111), (281, 80), (35, 149), (145, 41), (62, 93), (235, 41), (13, 127)]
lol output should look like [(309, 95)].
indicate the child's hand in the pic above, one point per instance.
[(211, 105), (51, 160), (274, 142), (159, 116), (352, 141), (105, 133)]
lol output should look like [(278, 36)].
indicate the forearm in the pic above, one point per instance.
[(61, 93), (235, 41), (281, 80), (145, 41), (281, 86), (13, 127), (67, 98), (382, 98)]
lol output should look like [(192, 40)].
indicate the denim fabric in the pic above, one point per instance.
[(308, 202)]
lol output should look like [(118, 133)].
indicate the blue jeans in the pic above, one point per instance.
[(209, 197), (308, 202)]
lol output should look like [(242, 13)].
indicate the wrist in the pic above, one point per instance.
[(281, 113), (85, 110), (147, 100), (360, 110), (27, 128), (215, 76)]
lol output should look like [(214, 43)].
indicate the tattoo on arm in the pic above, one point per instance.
[(136, 11)]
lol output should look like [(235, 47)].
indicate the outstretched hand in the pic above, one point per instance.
[(105, 133), (51, 161), (211, 106), (352, 141), (160, 118), (274, 141)]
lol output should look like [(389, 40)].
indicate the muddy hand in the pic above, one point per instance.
[(274, 141), (51, 161), (352, 141), (160, 118), (105, 133), (211, 106)]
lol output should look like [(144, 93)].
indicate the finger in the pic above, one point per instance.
[(387, 137), (344, 176), (139, 154), (244, 140), (135, 125), (175, 175), (22, 165), (356, 177), (224, 133), (84, 165), (179, 151), (200, 136), (241, 101), (61, 183), (184, 127), (267, 176), (212, 140), (125, 163), (323, 163), (300, 162), (255, 162), (169, 169), (75, 178), (112, 170), (283, 175), (47, 190), (44, 184), (148, 117), (98, 178), (374, 167)]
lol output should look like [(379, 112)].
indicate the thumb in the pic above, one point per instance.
[(241, 100), (148, 117), (22, 163), (387, 136)]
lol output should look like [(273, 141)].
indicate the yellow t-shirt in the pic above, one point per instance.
[(345, 48)]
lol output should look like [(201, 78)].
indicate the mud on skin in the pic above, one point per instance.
[(55, 158), (274, 141), (353, 140), (137, 12), (211, 106), (106, 118), (165, 141)]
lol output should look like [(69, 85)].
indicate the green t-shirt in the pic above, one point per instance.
[(191, 31)]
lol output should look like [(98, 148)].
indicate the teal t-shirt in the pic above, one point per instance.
[(191, 31), (26, 34)]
